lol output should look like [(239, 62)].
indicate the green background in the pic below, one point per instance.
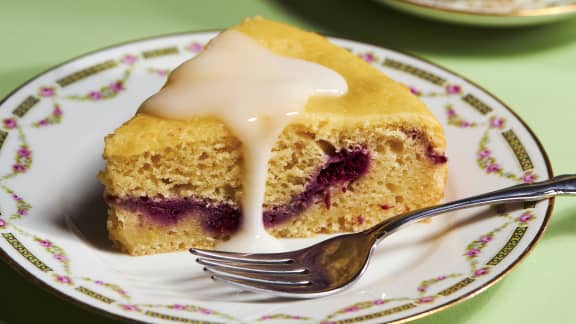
[(533, 69)]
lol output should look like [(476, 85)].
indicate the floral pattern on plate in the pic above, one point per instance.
[(489, 145)]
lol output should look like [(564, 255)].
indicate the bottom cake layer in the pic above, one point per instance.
[(353, 190), (139, 222), (137, 235)]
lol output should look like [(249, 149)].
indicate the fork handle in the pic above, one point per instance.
[(559, 185)]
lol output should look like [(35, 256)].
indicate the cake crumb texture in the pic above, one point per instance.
[(201, 159)]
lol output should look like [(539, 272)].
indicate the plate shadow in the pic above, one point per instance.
[(88, 221)]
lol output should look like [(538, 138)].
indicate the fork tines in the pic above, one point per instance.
[(253, 271)]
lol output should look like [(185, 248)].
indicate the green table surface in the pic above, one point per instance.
[(533, 69)]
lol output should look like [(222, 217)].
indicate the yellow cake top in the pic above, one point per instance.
[(369, 90), (371, 94)]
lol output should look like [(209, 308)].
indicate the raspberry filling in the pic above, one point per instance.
[(432, 155), (216, 218), (343, 166)]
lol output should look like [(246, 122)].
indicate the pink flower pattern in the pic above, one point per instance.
[(115, 288), (456, 120), (129, 59), (22, 207), (56, 252), (64, 279), (130, 308), (25, 155), (10, 123), (485, 239), (473, 253), (112, 90), (95, 95), (415, 91), (529, 177), (484, 153), (60, 257), (18, 168), (116, 86), (368, 57), (159, 72), (54, 118), (525, 217), (425, 300), (205, 311), (497, 122), (481, 272), (46, 91), (493, 167), (45, 243), (453, 89), (195, 47), (23, 160)]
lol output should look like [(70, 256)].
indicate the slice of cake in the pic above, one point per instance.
[(343, 164)]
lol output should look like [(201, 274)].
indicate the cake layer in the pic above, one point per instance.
[(332, 176), (210, 166), (344, 164), (139, 235), (371, 94), (341, 167), (215, 218)]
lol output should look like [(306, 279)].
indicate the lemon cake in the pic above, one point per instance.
[(343, 164)]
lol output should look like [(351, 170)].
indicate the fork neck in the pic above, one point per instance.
[(559, 185)]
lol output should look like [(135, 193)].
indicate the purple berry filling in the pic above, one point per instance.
[(218, 219), (435, 157), (343, 166), (431, 154)]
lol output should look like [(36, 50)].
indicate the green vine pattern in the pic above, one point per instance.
[(106, 92), (23, 155), (56, 251), (54, 118), (488, 162), (22, 207), (455, 119), (189, 309), (283, 317), (113, 287), (448, 91), (425, 285), (23, 162), (63, 279), (474, 249), (360, 306), (159, 72)]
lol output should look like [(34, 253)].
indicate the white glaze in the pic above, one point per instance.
[(256, 93)]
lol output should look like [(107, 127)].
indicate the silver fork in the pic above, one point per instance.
[(335, 264)]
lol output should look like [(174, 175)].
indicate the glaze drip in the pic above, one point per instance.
[(256, 93)]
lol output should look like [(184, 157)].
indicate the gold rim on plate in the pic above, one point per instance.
[(535, 12), (27, 275)]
